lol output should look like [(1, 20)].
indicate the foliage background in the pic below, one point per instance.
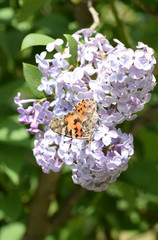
[(34, 205)]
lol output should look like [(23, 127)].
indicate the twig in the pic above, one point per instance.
[(145, 8), (119, 23), (94, 14), (149, 116), (38, 219), (64, 211)]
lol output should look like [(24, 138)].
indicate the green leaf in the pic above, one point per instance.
[(13, 176), (149, 140), (33, 78), (53, 24), (11, 206), (6, 14), (35, 39), (7, 91), (73, 49), (13, 231), (143, 174), (29, 8), (11, 131), (13, 161)]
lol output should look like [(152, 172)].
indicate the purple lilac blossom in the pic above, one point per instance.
[(92, 168), (36, 115), (119, 79)]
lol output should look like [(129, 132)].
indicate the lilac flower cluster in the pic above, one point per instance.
[(117, 78), (34, 115)]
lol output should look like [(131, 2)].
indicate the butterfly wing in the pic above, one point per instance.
[(86, 110), (88, 126), (68, 125), (79, 123)]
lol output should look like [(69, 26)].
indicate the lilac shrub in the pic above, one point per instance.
[(119, 79)]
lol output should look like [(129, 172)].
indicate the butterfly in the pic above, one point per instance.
[(79, 123)]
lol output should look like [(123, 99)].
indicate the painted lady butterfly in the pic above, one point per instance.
[(79, 123)]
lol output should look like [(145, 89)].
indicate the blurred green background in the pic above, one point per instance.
[(36, 206)]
